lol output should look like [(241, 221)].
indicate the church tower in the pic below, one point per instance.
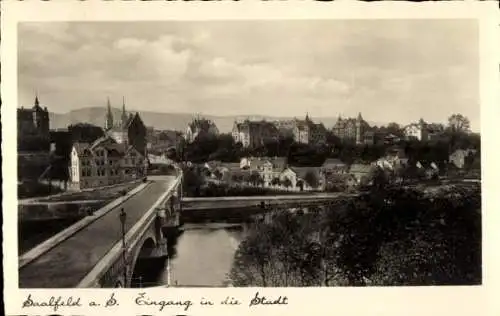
[(359, 128), (108, 124), (124, 115)]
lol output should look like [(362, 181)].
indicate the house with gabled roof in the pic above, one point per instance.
[(361, 172), (104, 162), (298, 178)]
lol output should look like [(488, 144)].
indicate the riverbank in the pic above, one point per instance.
[(395, 236)]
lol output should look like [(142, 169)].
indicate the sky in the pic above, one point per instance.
[(389, 70)]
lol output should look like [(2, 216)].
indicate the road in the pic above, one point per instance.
[(65, 265)]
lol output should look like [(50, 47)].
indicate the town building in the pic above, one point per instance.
[(307, 132), (417, 131), (33, 132), (334, 172), (129, 130), (200, 127), (253, 163), (268, 168), (334, 166), (104, 162), (460, 157), (353, 130), (299, 178), (303, 131), (391, 139), (423, 131), (285, 127), (160, 141), (361, 172), (252, 134)]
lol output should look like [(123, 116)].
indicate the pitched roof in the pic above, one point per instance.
[(319, 127), (115, 150), (82, 148), (302, 171), (231, 165), (333, 162), (361, 168), (105, 142), (278, 161), (257, 126), (201, 124), (102, 140)]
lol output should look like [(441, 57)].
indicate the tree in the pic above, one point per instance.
[(459, 123), (237, 177), (311, 179), (84, 132), (395, 129), (171, 153), (218, 174), (255, 178), (286, 182), (300, 185), (403, 238), (275, 181), (192, 181)]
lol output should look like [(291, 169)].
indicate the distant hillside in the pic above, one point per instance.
[(158, 120)]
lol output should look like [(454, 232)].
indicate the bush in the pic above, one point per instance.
[(391, 237)]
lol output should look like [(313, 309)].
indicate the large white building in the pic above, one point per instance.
[(303, 131), (104, 162), (254, 133), (416, 131), (423, 131)]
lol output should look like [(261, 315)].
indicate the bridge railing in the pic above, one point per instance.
[(132, 237)]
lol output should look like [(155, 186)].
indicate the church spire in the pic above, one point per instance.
[(109, 117), (124, 113), (37, 102)]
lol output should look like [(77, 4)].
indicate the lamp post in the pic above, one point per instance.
[(123, 218)]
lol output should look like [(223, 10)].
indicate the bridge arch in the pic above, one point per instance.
[(140, 269), (119, 284)]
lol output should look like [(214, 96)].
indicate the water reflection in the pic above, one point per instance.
[(199, 255), (204, 254)]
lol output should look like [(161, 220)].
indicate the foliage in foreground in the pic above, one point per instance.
[(391, 237)]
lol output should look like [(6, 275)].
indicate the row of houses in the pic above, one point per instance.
[(275, 172), (254, 133)]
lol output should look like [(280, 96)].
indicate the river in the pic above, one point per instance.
[(202, 255)]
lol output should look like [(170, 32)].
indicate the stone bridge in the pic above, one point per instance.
[(103, 249)]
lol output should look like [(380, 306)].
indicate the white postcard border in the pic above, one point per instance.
[(441, 300)]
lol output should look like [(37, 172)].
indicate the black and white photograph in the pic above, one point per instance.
[(249, 153)]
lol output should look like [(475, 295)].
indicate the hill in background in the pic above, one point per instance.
[(159, 120)]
